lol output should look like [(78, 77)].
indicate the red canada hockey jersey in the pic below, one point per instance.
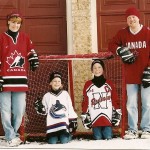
[(139, 44), (14, 61), (99, 102)]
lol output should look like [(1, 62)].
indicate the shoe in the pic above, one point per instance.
[(131, 135), (14, 142), (145, 135)]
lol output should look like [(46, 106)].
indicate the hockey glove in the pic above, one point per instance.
[(126, 55), (146, 78), (73, 125), (116, 117), (40, 109), (86, 120), (1, 84), (33, 60)]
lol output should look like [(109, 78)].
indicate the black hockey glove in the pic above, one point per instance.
[(73, 125), (40, 109), (126, 55), (116, 117), (1, 84), (33, 60), (86, 120), (146, 78)]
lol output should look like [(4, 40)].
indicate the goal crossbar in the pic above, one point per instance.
[(102, 55)]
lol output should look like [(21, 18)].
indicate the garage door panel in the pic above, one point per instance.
[(147, 19), (44, 8), (51, 34), (6, 6), (109, 26), (115, 5)]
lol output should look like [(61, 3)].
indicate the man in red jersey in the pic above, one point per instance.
[(16, 51), (132, 44)]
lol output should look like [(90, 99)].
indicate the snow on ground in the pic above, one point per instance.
[(116, 143)]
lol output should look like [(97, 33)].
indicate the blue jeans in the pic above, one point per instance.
[(102, 132), (132, 107), (63, 138), (12, 106)]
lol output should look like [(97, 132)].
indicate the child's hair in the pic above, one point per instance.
[(99, 61), (16, 19)]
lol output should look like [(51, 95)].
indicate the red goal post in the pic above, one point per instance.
[(34, 124)]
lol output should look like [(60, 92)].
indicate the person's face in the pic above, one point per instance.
[(56, 83), (14, 24), (132, 21), (97, 69)]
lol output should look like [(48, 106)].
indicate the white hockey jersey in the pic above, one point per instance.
[(99, 102), (59, 111)]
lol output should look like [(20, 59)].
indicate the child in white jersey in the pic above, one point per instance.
[(61, 117), (99, 104)]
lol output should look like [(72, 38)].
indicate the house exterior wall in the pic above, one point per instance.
[(83, 39)]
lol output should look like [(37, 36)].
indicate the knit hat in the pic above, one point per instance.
[(132, 11), (14, 14), (97, 61), (55, 75)]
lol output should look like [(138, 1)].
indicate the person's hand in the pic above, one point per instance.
[(86, 120), (116, 117), (146, 78), (1, 84), (40, 109), (126, 55), (33, 60), (73, 125)]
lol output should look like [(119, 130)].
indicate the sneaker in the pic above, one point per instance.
[(14, 142), (131, 135), (145, 135)]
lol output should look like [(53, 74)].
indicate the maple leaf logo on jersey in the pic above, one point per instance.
[(15, 60)]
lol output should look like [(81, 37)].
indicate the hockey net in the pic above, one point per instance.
[(75, 70)]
